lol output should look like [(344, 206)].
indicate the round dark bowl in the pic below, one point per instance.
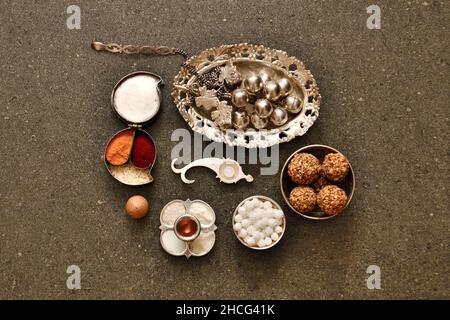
[(286, 184)]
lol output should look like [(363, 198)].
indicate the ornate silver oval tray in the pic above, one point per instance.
[(247, 95)]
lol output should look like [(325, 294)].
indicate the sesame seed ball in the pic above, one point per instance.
[(304, 168), (332, 200), (321, 183), (335, 166), (303, 199)]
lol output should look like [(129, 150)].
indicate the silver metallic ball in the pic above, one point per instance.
[(239, 97), (258, 122), (253, 83), (272, 90), (240, 119), (263, 108), (292, 104), (279, 116), (264, 76), (285, 87)]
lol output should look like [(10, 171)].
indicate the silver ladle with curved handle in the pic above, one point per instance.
[(227, 170)]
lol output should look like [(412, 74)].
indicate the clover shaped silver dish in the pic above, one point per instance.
[(203, 239)]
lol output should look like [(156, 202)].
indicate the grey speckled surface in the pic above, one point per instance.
[(385, 105)]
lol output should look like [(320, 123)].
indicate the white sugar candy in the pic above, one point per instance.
[(243, 233), (272, 222), (268, 231), (278, 214), (261, 243), (250, 241), (267, 241), (245, 223)]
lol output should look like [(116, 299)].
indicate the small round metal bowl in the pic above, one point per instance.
[(286, 184), (190, 237), (274, 205)]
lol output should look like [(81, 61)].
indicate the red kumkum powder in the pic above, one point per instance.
[(144, 152)]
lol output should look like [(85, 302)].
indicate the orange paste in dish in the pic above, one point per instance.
[(119, 149)]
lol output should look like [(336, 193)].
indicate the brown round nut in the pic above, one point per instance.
[(332, 200), (335, 166), (137, 207), (321, 183), (304, 168), (303, 199)]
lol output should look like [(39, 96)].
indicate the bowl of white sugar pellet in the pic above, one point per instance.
[(259, 222)]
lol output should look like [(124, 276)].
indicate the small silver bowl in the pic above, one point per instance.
[(274, 205), (286, 184), (197, 224)]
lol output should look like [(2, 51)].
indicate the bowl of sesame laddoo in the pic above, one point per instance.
[(317, 182)]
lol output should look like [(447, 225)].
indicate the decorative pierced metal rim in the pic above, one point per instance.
[(249, 138)]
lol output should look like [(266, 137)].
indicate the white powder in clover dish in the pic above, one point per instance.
[(202, 212), (203, 244), (172, 212), (172, 244), (136, 99)]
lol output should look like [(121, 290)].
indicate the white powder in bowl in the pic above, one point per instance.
[(203, 244), (202, 212), (172, 244), (130, 175), (136, 99), (171, 212)]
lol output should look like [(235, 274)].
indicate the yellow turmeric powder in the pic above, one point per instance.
[(119, 149)]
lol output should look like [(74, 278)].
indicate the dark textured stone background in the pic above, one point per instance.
[(385, 105)]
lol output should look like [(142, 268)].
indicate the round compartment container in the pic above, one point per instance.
[(136, 100)]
